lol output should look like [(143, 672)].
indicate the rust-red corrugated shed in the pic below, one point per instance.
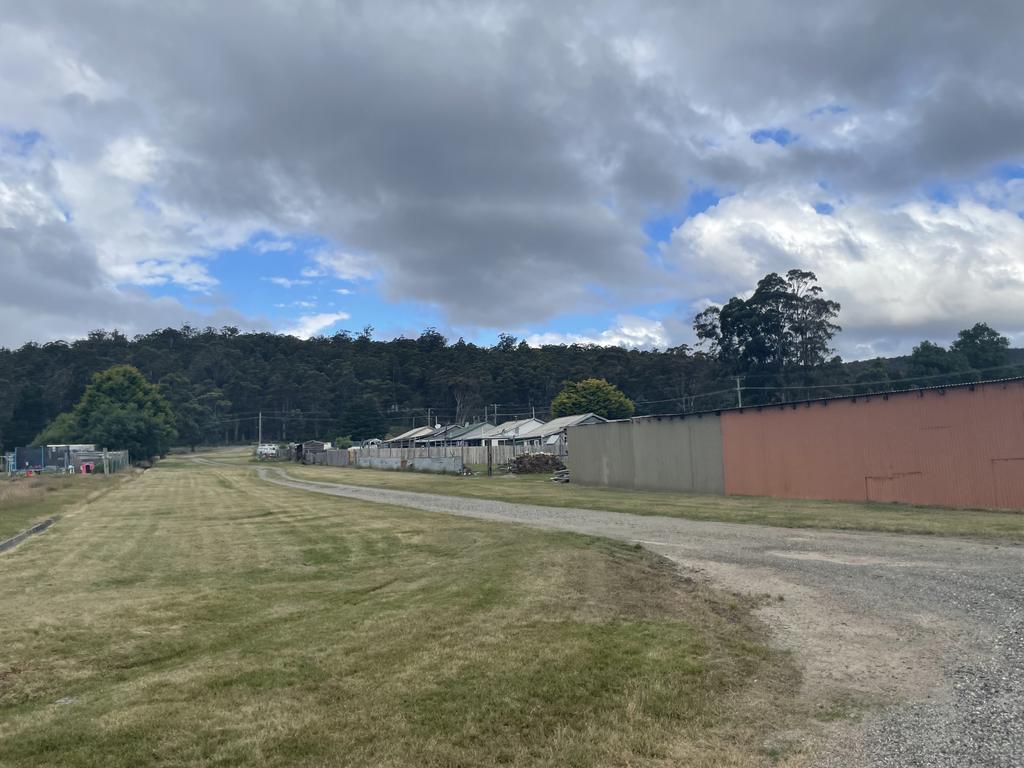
[(955, 447)]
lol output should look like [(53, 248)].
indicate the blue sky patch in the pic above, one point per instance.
[(1009, 172), (828, 109), (940, 193), (275, 279), (660, 229), (825, 209), (23, 141), (781, 136)]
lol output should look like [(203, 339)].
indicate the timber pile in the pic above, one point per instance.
[(535, 463)]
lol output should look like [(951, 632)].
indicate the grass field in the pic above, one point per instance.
[(25, 501), (789, 513), (199, 617)]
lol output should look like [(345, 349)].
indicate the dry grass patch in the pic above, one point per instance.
[(199, 617), (25, 501)]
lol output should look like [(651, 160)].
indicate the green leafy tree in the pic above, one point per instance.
[(120, 410), (193, 415), (28, 417), (875, 376), (363, 419), (59, 431), (930, 359), (592, 396), (786, 324), (982, 346)]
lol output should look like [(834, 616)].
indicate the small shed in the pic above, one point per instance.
[(308, 449)]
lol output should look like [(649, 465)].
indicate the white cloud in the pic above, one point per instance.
[(527, 184), (902, 273), (273, 246), (21, 203), (310, 325), (53, 284), (287, 282), (133, 159), (342, 291), (342, 265), (628, 331), (140, 238)]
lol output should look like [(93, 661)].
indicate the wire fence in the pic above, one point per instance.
[(64, 460)]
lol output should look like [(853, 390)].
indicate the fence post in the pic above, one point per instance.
[(490, 463)]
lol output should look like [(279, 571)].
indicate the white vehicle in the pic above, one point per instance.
[(266, 451)]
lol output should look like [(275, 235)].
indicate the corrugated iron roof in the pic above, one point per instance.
[(412, 434), (555, 426), (511, 429), (474, 431), (461, 431)]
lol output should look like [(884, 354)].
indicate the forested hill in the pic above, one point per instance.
[(218, 380)]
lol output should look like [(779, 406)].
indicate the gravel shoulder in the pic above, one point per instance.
[(923, 636)]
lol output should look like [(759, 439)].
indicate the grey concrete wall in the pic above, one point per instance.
[(667, 453), (452, 464)]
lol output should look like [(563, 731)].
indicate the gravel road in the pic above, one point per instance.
[(928, 631)]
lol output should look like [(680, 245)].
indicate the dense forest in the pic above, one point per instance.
[(775, 345)]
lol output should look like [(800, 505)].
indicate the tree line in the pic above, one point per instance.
[(778, 344)]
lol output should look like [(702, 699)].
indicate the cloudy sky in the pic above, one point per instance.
[(558, 170)]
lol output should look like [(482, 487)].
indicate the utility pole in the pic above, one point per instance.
[(739, 393), (495, 406), (260, 440)]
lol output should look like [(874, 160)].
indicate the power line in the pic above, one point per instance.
[(927, 377)]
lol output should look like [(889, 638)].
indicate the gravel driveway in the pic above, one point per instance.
[(928, 631)]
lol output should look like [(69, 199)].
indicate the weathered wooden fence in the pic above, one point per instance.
[(333, 457), (470, 454)]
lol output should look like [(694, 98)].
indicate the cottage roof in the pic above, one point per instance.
[(509, 429), (413, 434), (555, 426), (462, 431)]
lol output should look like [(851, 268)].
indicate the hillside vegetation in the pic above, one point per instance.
[(778, 342)]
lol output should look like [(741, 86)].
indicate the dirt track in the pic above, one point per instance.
[(928, 631)]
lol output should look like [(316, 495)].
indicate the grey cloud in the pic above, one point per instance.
[(507, 155), (53, 286), (61, 296)]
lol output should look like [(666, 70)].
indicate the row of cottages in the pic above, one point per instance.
[(531, 433)]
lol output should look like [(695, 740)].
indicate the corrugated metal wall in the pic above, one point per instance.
[(668, 453), (958, 447)]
